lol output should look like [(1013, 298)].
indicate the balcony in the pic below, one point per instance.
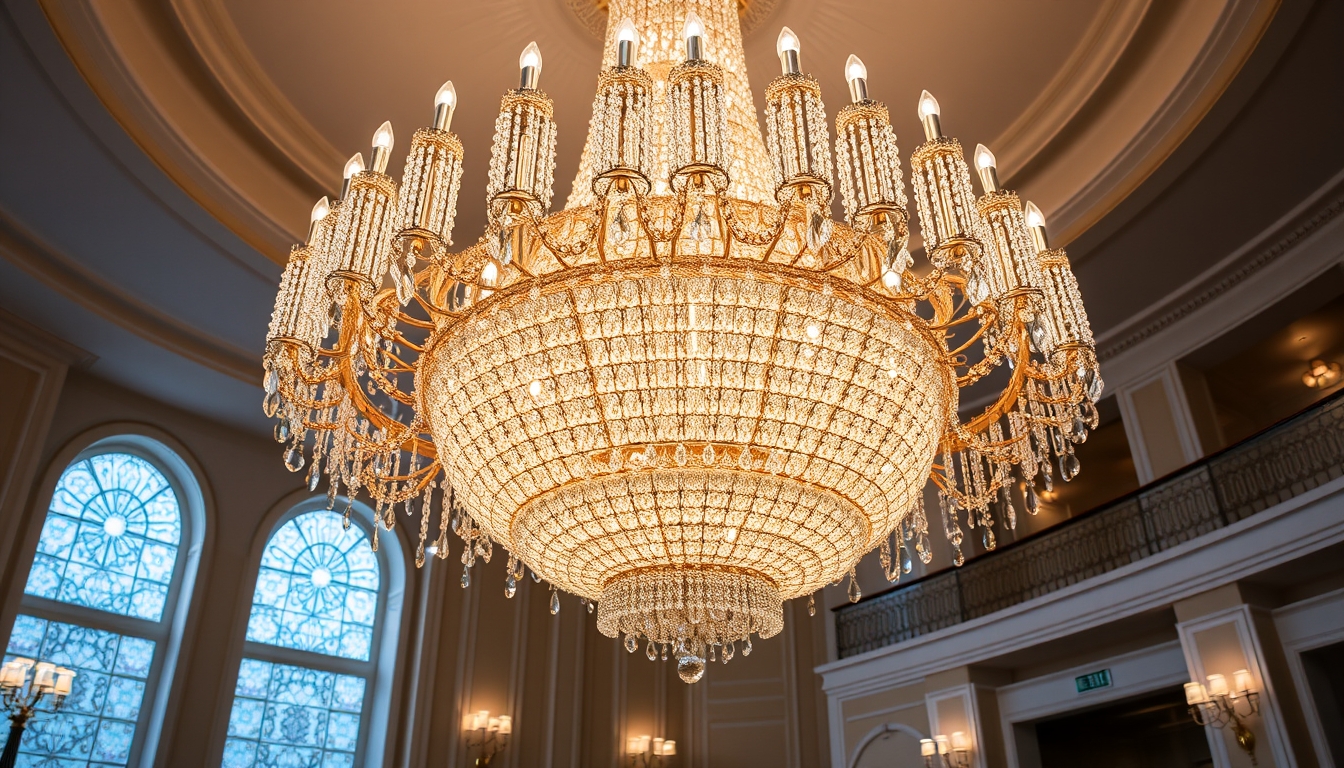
[(1273, 466)]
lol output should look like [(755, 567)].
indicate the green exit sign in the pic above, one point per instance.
[(1093, 681)]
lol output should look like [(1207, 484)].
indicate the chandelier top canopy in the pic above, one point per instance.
[(689, 395)]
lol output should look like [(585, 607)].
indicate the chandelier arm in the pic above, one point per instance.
[(1003, 404)]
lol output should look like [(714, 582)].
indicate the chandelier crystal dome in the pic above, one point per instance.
[(689, 395)]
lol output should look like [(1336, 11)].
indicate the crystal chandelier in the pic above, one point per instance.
[(690, 395)]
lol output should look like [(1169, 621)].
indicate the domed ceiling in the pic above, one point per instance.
[(250, 108)]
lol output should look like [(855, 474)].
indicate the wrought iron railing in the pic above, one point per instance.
[(1273, 466)]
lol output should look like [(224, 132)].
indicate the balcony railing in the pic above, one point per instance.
[(1273, 466)]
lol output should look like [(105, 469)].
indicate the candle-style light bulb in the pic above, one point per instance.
[(1036, 223), (353, 167), (445, 101), (856, 73), (627, 37), (694, 33), (529, 66), (383, 139), (929, 115), (320, 210), (787, 47), (988, 168)]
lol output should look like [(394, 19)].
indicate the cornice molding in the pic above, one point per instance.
[(91, 291), (1234, 35), (221, 48), (1265, 257)]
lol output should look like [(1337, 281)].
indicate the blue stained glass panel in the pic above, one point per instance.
[(110, 538), (96, 725), (317, 589), (286, 716)]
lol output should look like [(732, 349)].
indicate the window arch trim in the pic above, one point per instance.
[(391, 631), (196, 506)]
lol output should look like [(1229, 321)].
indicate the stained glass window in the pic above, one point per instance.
[(318, 588), (96, 725), (285, 715), (110, 538)]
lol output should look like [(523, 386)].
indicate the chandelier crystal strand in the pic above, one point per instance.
[(660, 48), (676, 399)]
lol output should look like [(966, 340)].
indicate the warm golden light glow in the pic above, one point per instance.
[(689, 395)]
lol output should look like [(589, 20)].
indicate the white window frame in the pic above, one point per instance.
[(167, 633), (378, 672)]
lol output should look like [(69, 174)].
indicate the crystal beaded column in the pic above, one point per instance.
[(522, 159), (941, 181), (429, 187), (623, 130), (796, 136), (699, 124), (361, 241)]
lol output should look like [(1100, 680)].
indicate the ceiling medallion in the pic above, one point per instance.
[(689, 395)]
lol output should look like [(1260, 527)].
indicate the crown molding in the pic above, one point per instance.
[(91, 291)]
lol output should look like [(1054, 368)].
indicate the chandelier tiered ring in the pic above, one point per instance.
[(689, 395)]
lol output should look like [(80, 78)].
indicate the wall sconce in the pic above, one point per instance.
[(1215, 705), (644, 751), (955, 751), (487, 736), (1321, 374)]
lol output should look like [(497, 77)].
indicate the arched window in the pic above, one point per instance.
[(306, 684), (102, 598)]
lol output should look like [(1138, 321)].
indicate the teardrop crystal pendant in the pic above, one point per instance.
[(1069, 466), (651, 652), (591, 605), (855, 594), (294, 458), (466, 577), (746, 649), (924, 548), (555, 602), (906, 563), (958, 558), (270, 404), (811, 605), (510, 586), (679, 455), (631, 643), (281, 431), (987, 538), (707, 455), (728, 651)]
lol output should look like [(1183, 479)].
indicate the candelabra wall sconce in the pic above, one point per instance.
[(487, 736), (1213, 704), (21, 693), (644, 751), (953, 752)]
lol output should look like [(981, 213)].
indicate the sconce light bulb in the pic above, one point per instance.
[(1034, 216), (354, 165), (627, 32), (855, 69), (530, 57), (928, 105), (447, 94), (320, 210), (984, 158), (694, 27), (787, 41), (383, 138)]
